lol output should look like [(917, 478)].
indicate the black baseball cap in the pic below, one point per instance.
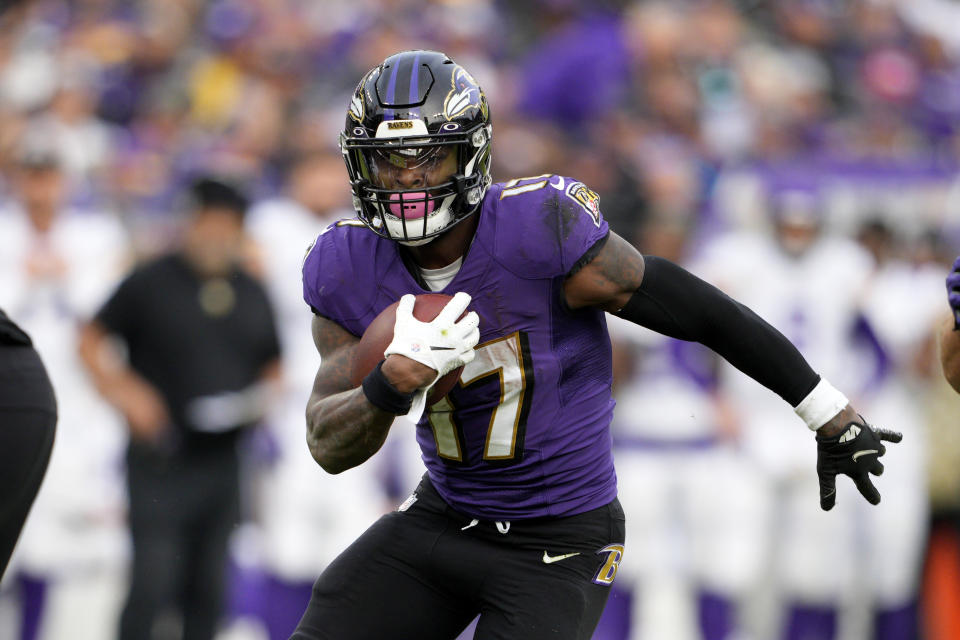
[(208, 192)]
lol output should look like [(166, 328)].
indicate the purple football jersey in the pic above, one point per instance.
[(525, 433)]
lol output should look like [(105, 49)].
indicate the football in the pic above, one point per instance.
[(379, 334)]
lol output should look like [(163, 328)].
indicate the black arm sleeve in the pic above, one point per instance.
[(676, 303)]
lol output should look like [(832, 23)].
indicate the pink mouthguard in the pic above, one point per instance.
[(414, 206)]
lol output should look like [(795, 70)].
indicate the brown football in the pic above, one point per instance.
[(379, 334)]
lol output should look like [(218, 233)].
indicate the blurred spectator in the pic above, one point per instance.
[(201, 347), (59, 264), (83, 141), (573, 74)]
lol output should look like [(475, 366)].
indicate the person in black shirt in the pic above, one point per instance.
[(28, 419), (201, 348)]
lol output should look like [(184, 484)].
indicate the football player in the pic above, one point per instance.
[(517, 517)]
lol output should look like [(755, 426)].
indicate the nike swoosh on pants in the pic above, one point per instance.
[(548, 559)]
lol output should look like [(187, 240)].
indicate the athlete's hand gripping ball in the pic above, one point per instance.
[(854, 452), (443, 344)]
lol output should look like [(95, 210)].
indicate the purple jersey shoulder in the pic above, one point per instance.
[(545, 224), (536, 228), (344, 254)]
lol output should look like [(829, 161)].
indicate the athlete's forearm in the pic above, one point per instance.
[(344, 430), (950, 353)]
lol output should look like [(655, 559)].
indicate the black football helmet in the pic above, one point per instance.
[(417, 110)]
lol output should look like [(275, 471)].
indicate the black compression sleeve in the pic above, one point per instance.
[(676, 303)]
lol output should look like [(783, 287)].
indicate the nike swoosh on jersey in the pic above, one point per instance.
[(548, 559), (865, 452)]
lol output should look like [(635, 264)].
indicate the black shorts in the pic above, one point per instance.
[(425, 571)]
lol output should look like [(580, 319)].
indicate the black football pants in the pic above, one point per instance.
[(426, 572), (28, 418), (183, 507)]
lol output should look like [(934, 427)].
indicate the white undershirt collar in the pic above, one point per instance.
[(437, 279)]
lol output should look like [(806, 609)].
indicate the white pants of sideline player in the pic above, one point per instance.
[(693, 522)]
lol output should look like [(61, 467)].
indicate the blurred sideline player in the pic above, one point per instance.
[(686, 490), (304, 516), (901, 305), (59, 263), (517, 518), (810, 285)]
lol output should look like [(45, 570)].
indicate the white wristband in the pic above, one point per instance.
[(820, 405)]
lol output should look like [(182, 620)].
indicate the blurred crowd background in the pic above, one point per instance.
[(801, 154)]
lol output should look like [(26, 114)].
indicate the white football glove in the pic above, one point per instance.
[(442, 344)]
